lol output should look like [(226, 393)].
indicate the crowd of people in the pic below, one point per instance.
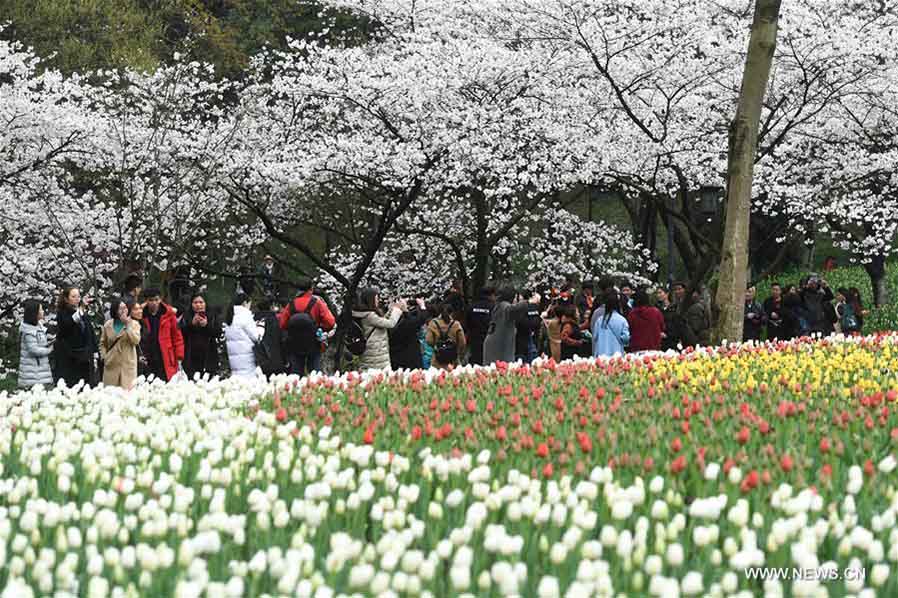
[(143, 335)]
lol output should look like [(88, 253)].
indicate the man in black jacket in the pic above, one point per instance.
[(477, 319), (525, 336), (755, 318), (774, 310)]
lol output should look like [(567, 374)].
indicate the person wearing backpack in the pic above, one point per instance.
[(848, 322), (302, 318), (445, 335), (34, 359), (372, 343)]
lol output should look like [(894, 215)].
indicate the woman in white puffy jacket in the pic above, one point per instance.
[(241, 336)]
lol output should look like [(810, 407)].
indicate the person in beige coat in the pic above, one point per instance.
[(118, 346), (375, 325), (448, 328)]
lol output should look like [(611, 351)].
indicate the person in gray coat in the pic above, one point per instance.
[(499, 342), (34, 360), (375, 324)]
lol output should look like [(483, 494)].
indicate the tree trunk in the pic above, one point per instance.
[(876, 270), (481, 251), (743, 146)]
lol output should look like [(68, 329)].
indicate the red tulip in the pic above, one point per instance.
[(501, 434), (743, 435), (750, 481), (676, 445), (868, 468), (416, 433), (281, 415), (542, 450), (678, 465), (548, 470), (786, 463), (585, 442), (824, 445), (369, 436), (471, 405)]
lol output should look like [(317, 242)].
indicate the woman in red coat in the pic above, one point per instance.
[(646, 325)]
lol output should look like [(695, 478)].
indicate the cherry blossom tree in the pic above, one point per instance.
[(48, 226), (665, 77), (162, 135), (551, 243), (416, 134)]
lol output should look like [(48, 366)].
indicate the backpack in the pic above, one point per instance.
[(849, 321), (268, 351), (356, 341), (302, 329), (445, 351)]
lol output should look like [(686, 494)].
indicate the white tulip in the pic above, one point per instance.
[(674, 555), (548, 588), (692, 584), (879, 574)]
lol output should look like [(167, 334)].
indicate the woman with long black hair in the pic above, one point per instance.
[(446, 336), (375, 323), (201, 329), (611, 333), (34, 359), (241, 336), (76, 341)]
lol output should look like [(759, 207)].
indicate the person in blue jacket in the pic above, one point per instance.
[(610, 332)]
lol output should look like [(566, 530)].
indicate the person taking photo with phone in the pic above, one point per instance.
[(76, 341)]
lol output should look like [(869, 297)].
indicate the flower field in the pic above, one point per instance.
[(657, 476)]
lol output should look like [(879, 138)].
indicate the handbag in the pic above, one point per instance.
[(180, 375)]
